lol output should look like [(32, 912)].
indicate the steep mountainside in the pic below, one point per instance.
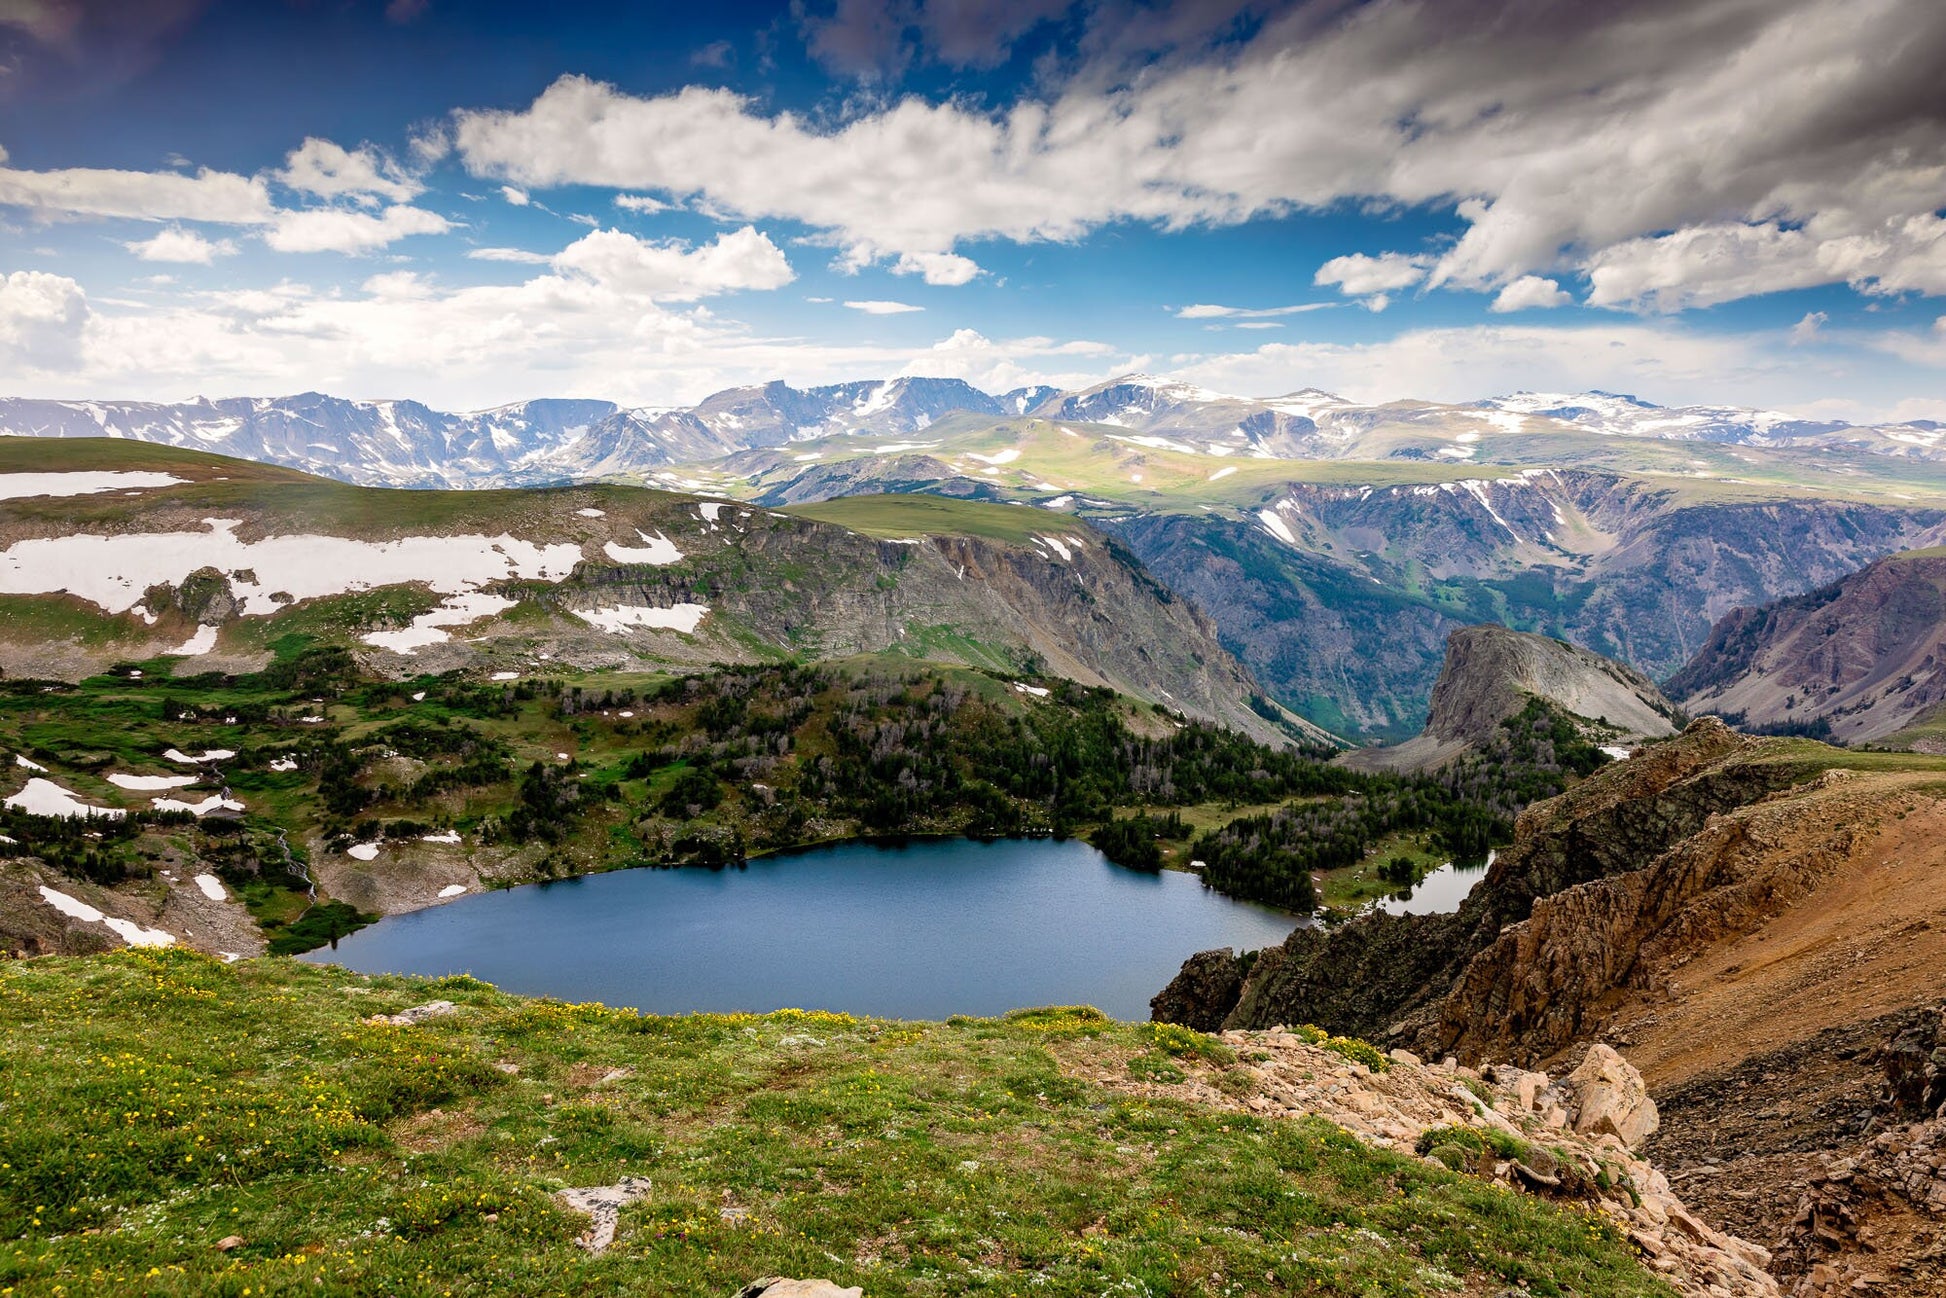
[(220, 561), (1757, 921), (1491, 673), (1859, 659), (1340, 599)]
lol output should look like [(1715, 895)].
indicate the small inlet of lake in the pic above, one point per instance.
[(1440, 892), (919, 930)]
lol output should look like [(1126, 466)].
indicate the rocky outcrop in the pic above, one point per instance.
[(1860, 659), (779, 1287), (1567, 1141), (1539, 985), (1610, 1099), (1871, 1217), (1203, 994), (603, 1206), (1915, 1068), (1388, 976), (1491, 673)]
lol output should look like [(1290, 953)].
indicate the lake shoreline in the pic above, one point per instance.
[(919, 927)]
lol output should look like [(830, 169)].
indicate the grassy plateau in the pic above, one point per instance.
[(173, 1125)]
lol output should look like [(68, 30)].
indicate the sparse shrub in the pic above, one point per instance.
[(1187, 1043), (1358, 1052)]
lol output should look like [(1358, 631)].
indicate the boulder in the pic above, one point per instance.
[(1915, 1067), (778, 1287), (1203, 994), (1611, 1099)]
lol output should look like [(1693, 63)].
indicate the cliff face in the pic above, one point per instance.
[(1865, 656), (1388, 976), (1491, 673), (1544, 981), (1070, 607)]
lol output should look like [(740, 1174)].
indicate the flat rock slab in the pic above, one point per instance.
[(603, 1203), (779, 1287), (417, 1014)]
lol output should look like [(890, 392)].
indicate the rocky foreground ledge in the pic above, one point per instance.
[(1574, 1140)]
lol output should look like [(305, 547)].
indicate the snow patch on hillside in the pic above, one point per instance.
[(20, 486), (133, 934), (150, 783), (1276, 526), (208, 755), (622, 618), (457, 610), (657, 550), (214, 802), (115, 571), (199, 644), (43, 797)]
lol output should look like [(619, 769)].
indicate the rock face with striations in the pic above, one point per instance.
[(1592, 877), (1492, 672)]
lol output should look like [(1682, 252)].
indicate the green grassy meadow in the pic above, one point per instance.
[(157, 1103)]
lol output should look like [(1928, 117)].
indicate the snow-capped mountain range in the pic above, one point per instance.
[(1627, 416), (404, 443)]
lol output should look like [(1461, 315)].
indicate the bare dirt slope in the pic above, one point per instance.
[(1870, 940)]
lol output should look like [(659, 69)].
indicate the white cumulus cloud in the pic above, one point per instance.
[(1530, 292), (365, 174), (334, 229), (672, 271), (1356, 274), (945, 268), (178, 244), (41, 319)]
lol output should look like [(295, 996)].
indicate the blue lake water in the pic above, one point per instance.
[(1440, 892), (925, 930)]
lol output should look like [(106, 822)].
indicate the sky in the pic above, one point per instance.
[(467, 204)]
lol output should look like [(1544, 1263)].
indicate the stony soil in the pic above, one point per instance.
[(1280, 1074)]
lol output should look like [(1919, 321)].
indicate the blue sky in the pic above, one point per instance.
[(1719, 200)]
